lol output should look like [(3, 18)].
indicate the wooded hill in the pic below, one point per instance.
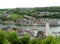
[(37, 12)]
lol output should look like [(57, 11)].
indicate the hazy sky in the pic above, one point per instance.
[(28, 3)]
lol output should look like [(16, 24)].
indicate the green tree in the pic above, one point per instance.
[(26, 39), (3, 36), (13, 37)]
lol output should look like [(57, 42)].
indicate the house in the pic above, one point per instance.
[(43, 13), (46, 13), (24, 21), (29, 17), (6, 14)]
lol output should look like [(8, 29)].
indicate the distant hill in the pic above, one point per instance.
[(37, 12)]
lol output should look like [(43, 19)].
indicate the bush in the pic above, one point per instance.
[(12, 37), (49, 40), (36, 41), (26, 39), (3, 36)]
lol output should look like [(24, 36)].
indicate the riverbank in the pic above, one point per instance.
[(28, 24)]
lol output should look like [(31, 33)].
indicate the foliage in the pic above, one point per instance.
[(12, 37), (3, 36), (26, 39), (17, 13)]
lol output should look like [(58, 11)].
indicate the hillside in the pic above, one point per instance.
[(37, 12)]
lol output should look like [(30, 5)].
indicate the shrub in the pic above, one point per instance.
[(13, 37), (26, 39), (3, 36), (36, 41)]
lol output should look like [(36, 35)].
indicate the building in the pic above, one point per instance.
[(7, 14)]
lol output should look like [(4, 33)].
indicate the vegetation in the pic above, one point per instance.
[(12, 37), (17, 13)]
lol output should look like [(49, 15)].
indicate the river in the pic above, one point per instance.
[(51, 29)]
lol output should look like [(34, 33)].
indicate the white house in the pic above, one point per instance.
[(6, 14)]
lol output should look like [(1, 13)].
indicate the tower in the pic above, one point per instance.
[(47, 27)]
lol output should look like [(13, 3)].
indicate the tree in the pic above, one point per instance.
[(13, 37)]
